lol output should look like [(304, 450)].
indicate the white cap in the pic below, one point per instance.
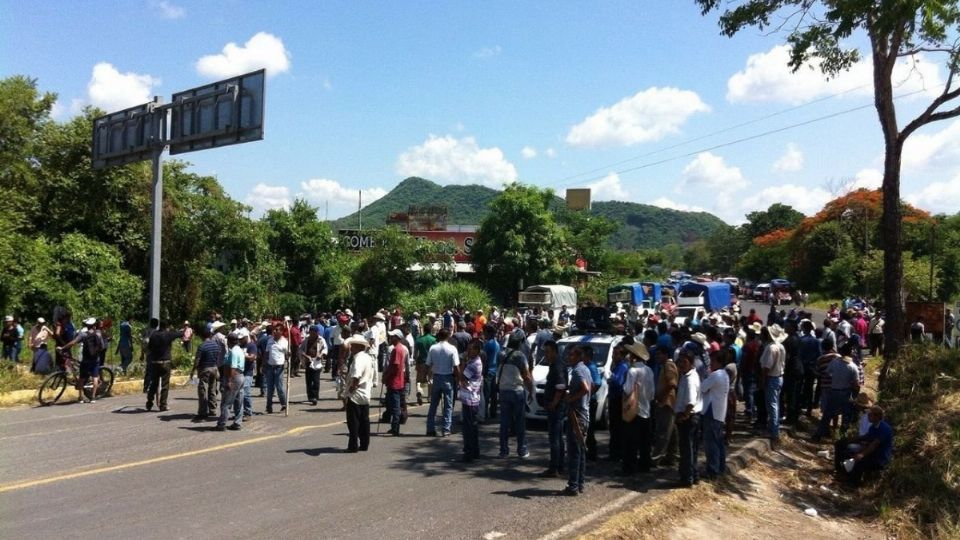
[(348, 312), (396, 333), (217, 325), (41, 320), (90, 322), (8, 318), (233, 321), (243, 333)]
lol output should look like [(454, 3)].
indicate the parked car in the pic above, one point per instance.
[(602, 345), (761, 292)]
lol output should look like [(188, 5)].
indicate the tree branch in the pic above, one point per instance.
[(930, 114), (915, 50)]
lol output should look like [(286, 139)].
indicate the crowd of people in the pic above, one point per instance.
[(671, 389)]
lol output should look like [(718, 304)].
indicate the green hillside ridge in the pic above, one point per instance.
[(642, 225)]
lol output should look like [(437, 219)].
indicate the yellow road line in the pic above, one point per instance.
[(90, 472)]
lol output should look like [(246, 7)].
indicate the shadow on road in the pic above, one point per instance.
[(317, 451), (529, 493), (130, 410), (172, 417)]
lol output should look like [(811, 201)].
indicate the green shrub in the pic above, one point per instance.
[(455, 293)]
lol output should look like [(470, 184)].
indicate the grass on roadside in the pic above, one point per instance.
[(919, 494)]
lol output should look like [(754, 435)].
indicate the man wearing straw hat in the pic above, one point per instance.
[(773, 361), (359, 381), (638, 387)]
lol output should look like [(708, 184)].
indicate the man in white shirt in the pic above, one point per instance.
[(687, 408), (277, 351), (639, 379), (442, 359), (772, 362), (359, 382), (713, 392)]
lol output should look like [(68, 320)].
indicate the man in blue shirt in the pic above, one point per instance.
[(870, 452), (596, 380), (809, 354), (615, 383), (491, 354), (578, 412), (232, 386), (206, 366)]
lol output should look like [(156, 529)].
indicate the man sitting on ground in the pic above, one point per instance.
[(870, 452)]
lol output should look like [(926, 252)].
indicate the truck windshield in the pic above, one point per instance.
[(601, 351)]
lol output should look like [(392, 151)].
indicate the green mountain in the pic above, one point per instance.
[(642, 225)]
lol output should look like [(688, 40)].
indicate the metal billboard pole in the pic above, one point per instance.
[(155, 233)]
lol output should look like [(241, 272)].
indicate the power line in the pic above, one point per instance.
[(714, 133), (735, 141)]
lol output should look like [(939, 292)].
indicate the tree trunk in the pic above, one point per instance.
[(891, 224)]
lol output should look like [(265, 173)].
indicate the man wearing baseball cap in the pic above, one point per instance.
[(394, 380), (9, 338)]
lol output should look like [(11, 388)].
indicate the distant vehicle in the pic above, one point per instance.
[(761, 292), (781, 291), (734, 284), (550, 299), (602, 345), (696, 300)]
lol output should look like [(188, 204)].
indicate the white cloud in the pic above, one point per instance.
[(938, 197), (711, 171), (940, 149), (867, 179), (806, 199), (111, 90), (609, 188), (342, 200), (767, 77), (456, 161), (263, 50), (528, 152), (664, 202), (264, 197), (168, 10), (488, 52), (550, 153), (790, 161), (646, 116)]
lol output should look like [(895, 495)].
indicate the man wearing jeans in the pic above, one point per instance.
[(206, 365), (442, 360), (553, 393), (394, 379), (515, 383), (714, 391), (491, 351), (249, 370), (772, 361), (232, 385), (359, 381), (578, 408), (273, 372)]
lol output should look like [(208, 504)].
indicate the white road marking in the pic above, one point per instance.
[(577, 524)]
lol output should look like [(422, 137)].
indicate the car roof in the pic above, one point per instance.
[(591, 338)]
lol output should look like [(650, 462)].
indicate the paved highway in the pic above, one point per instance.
[(112, 470)]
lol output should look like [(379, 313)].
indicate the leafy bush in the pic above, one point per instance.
[(456, 293)]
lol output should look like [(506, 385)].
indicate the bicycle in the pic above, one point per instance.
[(56, 384)]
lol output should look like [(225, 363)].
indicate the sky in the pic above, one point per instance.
[(639, 101)]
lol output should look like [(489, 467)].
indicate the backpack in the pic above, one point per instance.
[(93, 346)]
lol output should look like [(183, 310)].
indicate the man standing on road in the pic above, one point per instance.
[(714, 392), (394, 379), (687, 408), (665, 437), (442, 359), (359, 381), (773, 362), (515, 383), (809, 353), (206, 365), (638, 385), (491, 353), (578, 411), (159, 360), (233, 363), (471, 388), (273, 372), (249, 370), (421, 348), (553, 393), (312, 353)]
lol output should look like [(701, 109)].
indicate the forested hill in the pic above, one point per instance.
[(642, 225)]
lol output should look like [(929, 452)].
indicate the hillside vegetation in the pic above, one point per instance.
[(641, 226)]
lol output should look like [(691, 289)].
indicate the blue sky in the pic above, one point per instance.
[(641, 101)]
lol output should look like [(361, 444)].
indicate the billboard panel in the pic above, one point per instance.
[(218, 114), (125, 136), (578, 199), (462, 240)]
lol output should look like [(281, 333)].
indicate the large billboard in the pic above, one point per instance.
[(461, 240)]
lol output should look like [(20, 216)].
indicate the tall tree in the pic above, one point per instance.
[(896, 29), (778, 216), (520, 242)]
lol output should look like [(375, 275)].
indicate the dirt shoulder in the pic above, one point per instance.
[(767, 499)]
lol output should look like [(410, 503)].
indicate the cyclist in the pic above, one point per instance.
[(93, 345)]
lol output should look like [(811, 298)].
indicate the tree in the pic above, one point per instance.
[(696, 259), (587, 235), (520, 242), (777, 216), (823, 30), (826, 242), (725, 247)]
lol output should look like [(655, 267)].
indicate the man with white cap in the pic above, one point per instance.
[(39, 335), (359, 382), (312, 353), (394, 379), (772, 362), (92, 345)]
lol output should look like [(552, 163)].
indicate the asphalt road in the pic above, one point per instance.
[(112, 470)]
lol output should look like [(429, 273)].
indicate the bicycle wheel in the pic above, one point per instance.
[(106, 382), (52, 388)]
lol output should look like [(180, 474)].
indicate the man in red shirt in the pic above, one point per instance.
[(296, 339), (393, 379)]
